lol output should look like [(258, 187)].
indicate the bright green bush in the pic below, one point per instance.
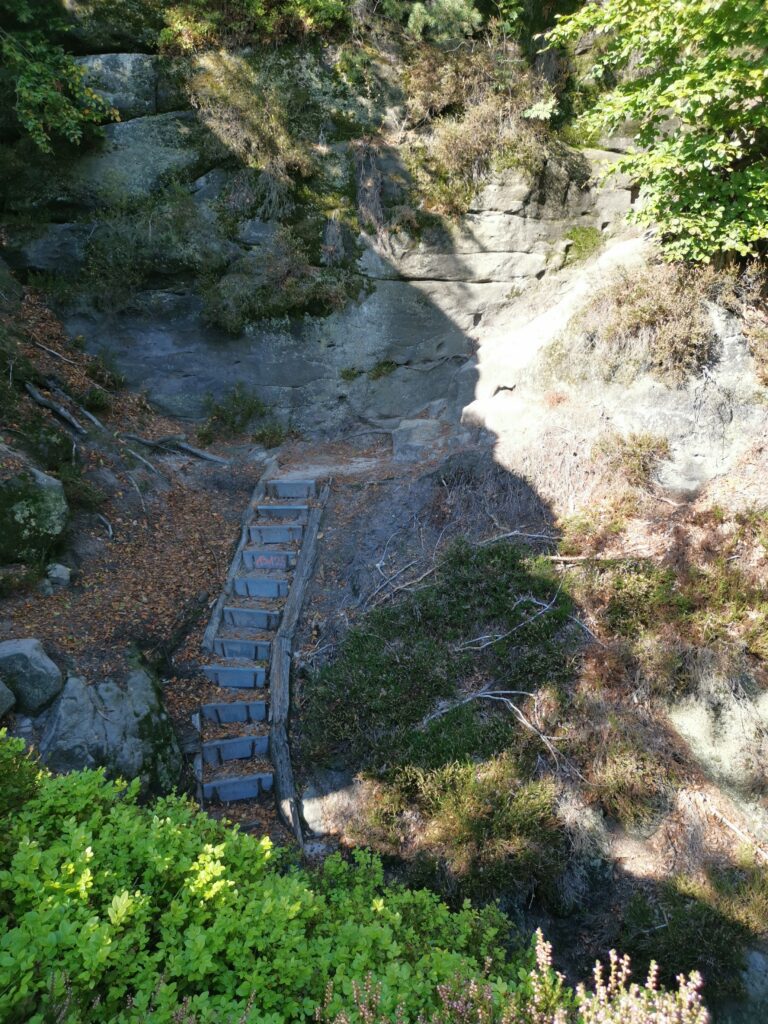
[(114, 912), (692, 76)]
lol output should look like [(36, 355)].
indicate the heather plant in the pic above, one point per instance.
[(541, 997)]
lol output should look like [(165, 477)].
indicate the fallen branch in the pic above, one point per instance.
[(170, 443), (144, 461), (389, 580), (52, 352), (516, 533), (55, 408), (138, 491), (106, 522), (81, 409), (490, 639), (407, 586), (198, 453), (503, 697)]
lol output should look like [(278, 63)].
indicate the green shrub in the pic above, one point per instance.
[(467, 106), (20, 772), (193, 24), (102, 370), (51, 102), (231, 415), (114, 911), (96, 400), (271, 434), (111, 910), (691, 76), (282, 281)]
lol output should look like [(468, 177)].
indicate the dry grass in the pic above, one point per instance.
[(635, 456), (466, 108), (654, 320)]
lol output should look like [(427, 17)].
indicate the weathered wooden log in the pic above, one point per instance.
[(280, 676)]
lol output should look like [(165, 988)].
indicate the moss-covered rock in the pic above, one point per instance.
[(33, 516)]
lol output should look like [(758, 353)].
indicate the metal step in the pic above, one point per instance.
[(245, 787), (248, 650), (291, 488), (239, 747), (252, 618), (235, 711), (239, 677), (294, 513), (266, 558), (261, 586), (276, 533)]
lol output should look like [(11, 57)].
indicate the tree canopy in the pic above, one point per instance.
[(690, 80)]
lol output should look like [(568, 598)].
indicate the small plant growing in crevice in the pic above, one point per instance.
[(102, 370), (231, 415), (585, 242), (271, 434), (636, 456), (382, 369), (350, 373)]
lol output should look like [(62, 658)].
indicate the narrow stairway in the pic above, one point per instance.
[(234, 759)]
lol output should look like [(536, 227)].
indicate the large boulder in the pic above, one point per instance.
[(137, 156), (7, 699), (122, 727), (127, 81), (33, 515), (54, 248), (30, 674)]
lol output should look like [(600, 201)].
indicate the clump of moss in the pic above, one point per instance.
[(32, 519), (585, 242)]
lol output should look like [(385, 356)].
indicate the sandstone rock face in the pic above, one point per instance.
[(422, 302), (127, 81), (33, 514), (30, 674), (330, 802), (59, 249), (135, 157), (123, 728)]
